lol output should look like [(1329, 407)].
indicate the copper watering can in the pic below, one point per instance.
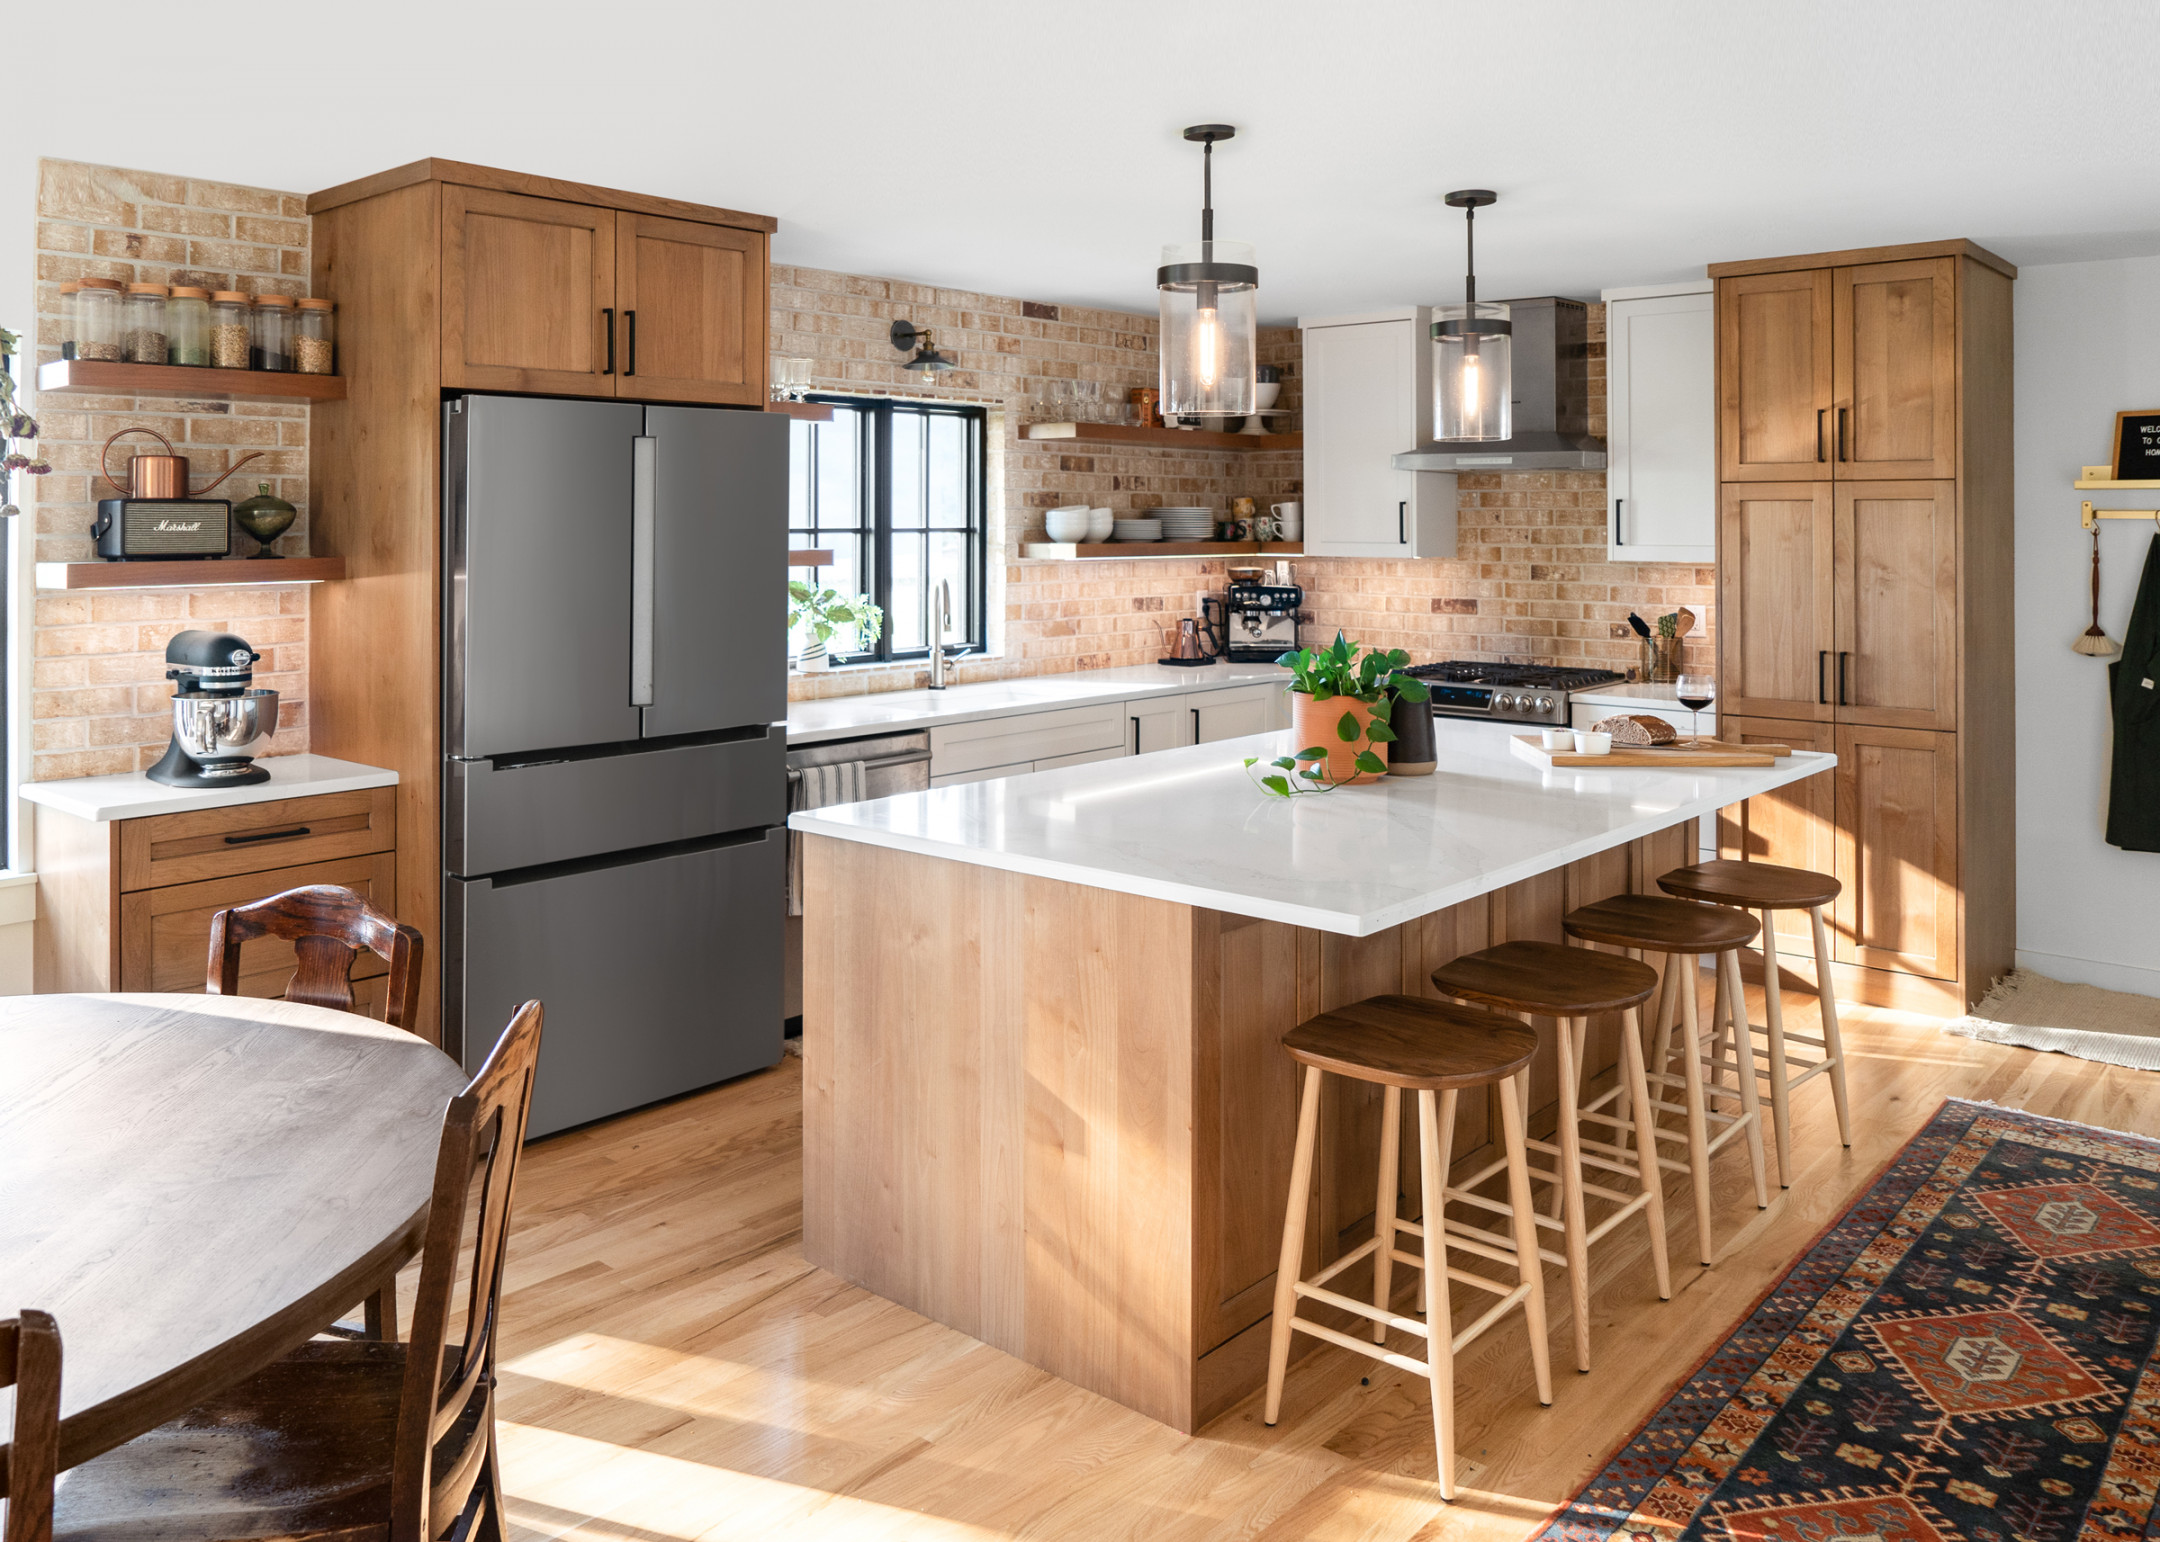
[(159, 476)]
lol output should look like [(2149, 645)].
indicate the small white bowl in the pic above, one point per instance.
[(1068, 525), (1587, 743), (1100, 523), (1560, 739)]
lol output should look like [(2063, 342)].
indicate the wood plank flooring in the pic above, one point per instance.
[(672, 1369)]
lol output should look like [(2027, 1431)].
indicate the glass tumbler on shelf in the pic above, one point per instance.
[(791, 379), (145, 323), (98, 327), (270, 339), (1695, 692), (187, 327), (229, 329)]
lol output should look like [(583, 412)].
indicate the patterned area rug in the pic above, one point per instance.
[(1968, 1353)]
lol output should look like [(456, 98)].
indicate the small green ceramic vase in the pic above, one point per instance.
[(265, 517)]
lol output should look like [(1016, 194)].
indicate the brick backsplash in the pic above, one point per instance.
[(99, 699)]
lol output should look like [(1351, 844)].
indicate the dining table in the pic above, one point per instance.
[(194, 1185)]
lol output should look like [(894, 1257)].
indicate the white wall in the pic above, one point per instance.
[(2088, 346)]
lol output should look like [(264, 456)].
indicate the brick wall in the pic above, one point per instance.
[(99, 693)]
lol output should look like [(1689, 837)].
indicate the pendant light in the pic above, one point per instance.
[(1472, 382), (1209, 291)]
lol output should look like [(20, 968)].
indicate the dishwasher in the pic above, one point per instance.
[(892, 763)]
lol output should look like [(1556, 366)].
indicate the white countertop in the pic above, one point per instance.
[(1626, 696), (1188, 825), (841, 717), (131, 795)]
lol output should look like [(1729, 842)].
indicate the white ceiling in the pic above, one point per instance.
[(1033, 149)]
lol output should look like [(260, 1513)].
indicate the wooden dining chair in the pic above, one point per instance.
[(356, 1440), (327, 926), (30, 1363)]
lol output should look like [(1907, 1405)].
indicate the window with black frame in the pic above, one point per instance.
[(895, 489)]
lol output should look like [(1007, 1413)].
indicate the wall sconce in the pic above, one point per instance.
[(906, 335)]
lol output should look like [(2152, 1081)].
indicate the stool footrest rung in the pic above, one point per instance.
[(1365, 1347), (1365, 1309), (1500, 1250), (1355, 1255), (1606, 1225)]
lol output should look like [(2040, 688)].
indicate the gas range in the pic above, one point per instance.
[(1507, 693)]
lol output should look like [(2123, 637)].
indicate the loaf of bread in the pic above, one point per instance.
[(1638, 732)]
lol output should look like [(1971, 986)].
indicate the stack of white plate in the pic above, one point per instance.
[(1137, 530), (1187, 524)]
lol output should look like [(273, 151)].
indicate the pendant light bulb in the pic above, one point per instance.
[(1472, 378), (1209, 300)]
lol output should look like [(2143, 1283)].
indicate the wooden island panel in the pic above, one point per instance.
[(1059, 1119)]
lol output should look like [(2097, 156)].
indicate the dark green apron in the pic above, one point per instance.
[(2134, 692)]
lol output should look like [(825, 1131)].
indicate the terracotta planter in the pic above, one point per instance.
[(1316, 723)]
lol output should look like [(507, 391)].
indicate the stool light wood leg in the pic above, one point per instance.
[(1439, 1335), (1730, 991), (1575, 1220), (1774, 1027), (1530, 1268), (1292, 1260), (1692, 1047), (1666, 1009), (1833, 1044), (1384, 1207), (1646, 1158), (1432, 1211)]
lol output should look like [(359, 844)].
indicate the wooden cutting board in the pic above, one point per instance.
[(1709, 752)]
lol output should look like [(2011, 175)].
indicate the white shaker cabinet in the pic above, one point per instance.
[(1661, 428), (1233, 713), (1158, 723), (1368, 397)]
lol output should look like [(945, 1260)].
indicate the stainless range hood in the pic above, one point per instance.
[(1551, 369)]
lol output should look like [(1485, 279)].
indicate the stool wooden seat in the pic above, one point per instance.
[(1684, 930), (1570, 985), (1765, 887), (1436, 1050)]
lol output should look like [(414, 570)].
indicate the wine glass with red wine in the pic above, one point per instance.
[(1695, 692)]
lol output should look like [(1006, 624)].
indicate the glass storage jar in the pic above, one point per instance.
[(67, 319), (187, 327), (146, 339), (228, 330), (97, 320), (312, 337), (273, 332)]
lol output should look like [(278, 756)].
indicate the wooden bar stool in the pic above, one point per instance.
[(1684, 930), (1434, 1049), (1570, 985), (1765, 887)]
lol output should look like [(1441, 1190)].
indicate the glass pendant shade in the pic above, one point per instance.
[(1209, 293), (1472, 382)]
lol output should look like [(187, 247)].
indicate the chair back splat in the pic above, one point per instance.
[(327, 926)]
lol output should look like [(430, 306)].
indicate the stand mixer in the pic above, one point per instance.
[(216, 712)]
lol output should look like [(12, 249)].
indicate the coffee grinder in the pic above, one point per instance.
[(216, 712)]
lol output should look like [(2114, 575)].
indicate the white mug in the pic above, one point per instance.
[(1289, 519)]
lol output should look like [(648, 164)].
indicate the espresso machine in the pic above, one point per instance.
[(1262, 615), (216, 712)]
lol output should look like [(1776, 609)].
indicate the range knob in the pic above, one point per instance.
[(1505, 702), (1544, 704)]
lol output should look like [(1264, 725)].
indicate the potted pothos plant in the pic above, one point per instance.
[(1341, 697), (824, 612)]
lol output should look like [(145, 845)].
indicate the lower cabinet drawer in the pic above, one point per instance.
[(165, 933), (187, 848)]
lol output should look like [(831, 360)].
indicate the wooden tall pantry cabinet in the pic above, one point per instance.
[(1864, 600), (449, 277)]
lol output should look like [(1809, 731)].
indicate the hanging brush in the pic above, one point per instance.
[(2095, 643)]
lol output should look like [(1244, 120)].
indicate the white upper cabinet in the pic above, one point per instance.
[(1661, 431), (1368, 397)]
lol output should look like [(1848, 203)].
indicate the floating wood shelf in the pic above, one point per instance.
[(228, 573), (805, 412), (1160, 438), (1125, 551), (2099, 479), (810, 557), (88, 377)]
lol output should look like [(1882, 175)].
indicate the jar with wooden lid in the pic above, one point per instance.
[(68, 292), (147, 342), (272, 340), (228, 330), (98, 326), (312, 340), (187, 327)]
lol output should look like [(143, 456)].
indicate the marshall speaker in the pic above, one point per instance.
[(164, 528)]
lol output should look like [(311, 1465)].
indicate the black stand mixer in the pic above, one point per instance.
[(216, 712)]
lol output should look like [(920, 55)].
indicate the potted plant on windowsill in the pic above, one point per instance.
[(825, 612), (1341, 697)]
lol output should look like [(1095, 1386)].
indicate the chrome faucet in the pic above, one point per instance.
[(940, 624)]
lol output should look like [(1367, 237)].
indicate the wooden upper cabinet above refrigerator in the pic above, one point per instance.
[(691, 298), (528, 292)]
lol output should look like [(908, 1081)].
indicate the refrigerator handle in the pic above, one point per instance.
[(641, 570)]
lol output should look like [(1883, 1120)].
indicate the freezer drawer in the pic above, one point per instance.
[(497, 819), (657, 976)]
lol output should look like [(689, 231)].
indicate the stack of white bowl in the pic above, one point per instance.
[(1068, 525), (1183, 523), (1137, 530), (1100, 523)]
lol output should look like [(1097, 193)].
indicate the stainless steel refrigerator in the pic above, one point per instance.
[(614, 777)]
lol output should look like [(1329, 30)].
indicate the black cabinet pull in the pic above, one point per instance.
[(1822, 689), (630, 321), (1842, 452), (1617, 505), (1841, 658), (1820, 453), (1402, 523), (609, 312), (265, 835)]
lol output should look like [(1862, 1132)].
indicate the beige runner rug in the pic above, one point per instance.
[(2082, 1020)]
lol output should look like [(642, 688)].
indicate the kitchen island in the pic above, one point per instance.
[(1044, 1098)]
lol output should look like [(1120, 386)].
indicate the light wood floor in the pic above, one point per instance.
[(673, 1369)]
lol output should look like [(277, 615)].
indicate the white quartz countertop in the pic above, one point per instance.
[(131, 795), (843, 717), (1625, 696), (1188, 825)]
